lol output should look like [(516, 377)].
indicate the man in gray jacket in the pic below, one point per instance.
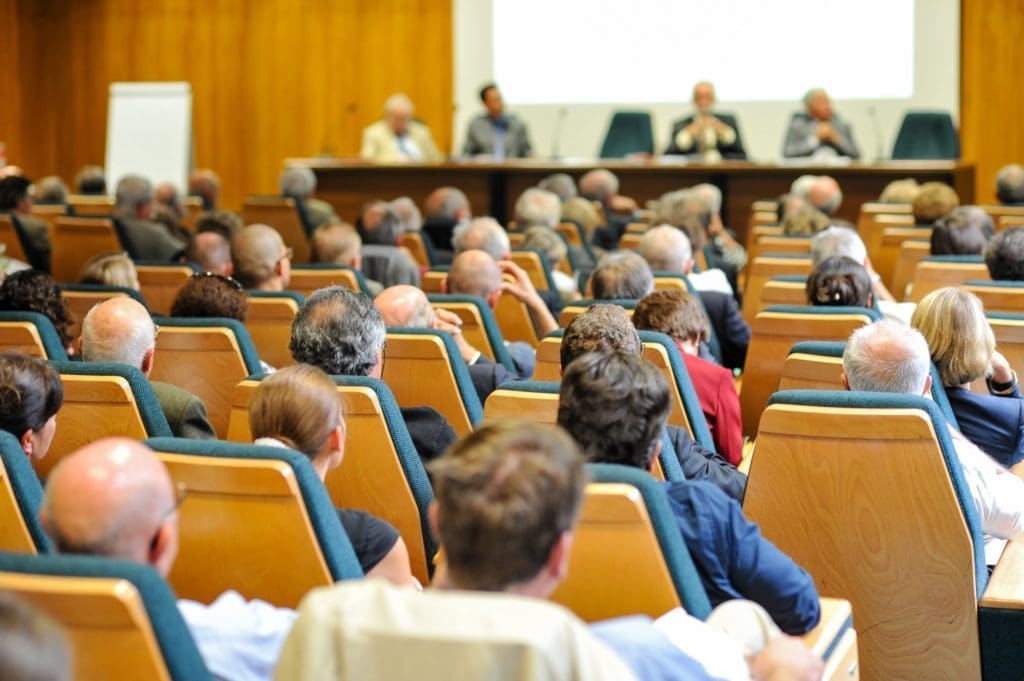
[(496, 133)]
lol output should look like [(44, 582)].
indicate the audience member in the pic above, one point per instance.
[(681, 316), (341, 332), (32, 646), (1004, 256), (844, 241), (900, 191), (211, 252), (934, 200), (818, 132), (839, 281), (547, 241), (110, 269), (16, 200), (299, 408), (560, 184), (963, 349), (825, 195), (114, 498), (615, 406), (695, 213), (224, 222), (207, 294), (482, 234), (581, 211), (341, 245), (537, 207), (380, 257), (398, 137), (445, 209), (147, 239), (91, 181), (1010, 185), (494, 133), (120, 330), (963, 231), (804, 221), (31, 394), (622, 275), (50, 191), (409, 215), (607, 329), (35, 291), (205, 184), (888, 356), (707, 206), (166, 194), (712, 135), (601, 185), (299, 183), (260, 259)]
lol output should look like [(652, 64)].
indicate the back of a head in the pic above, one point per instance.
[(582, 212), (31, 392), (205, 184), (110, 269), (223, 222), (839, 281), (474, 273), (709, 195), (405, 306), (546, 241), (1004, 256), (255, 252), (446, 203), (964, 231), (598, 185), (36, 291), (118, 330), (615, 406), (211, 295), (297, 182), (959, 338), (666, 249), (802, 185), (210, 251), (900, 191), (560, 184), (338, 330), (837, 241), (33, 647), (825, 194), (335, 244), (621, 275), (408, 213), (689, 211), (91, 181), (298, 405), (934, 200), (1010, 185), (132, 191), (601, 328), (887, 356), (537, 207), (13, 190), (676, 313), (505, 495), (381, 225), (484, 234), (52, 191), (804, 221)]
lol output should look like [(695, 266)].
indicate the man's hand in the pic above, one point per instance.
[(445, 320), (523, 287), (827, 133), (786, 658)]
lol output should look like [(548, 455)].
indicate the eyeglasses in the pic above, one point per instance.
[(156, 331), (180, 492), (233, 283)]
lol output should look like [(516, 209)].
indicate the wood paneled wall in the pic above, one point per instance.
[(991, 88), (270, 79)]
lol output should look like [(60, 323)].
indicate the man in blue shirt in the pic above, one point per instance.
[(615, 406)]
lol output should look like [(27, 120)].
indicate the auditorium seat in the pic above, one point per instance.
[(48, 213), (306, 279), (13, 238), (536, 266), (998, 296), (30, 333), (629, 132), (779, 244), (479, 327), (254, 519), (876, 225), (515, 321), (868, 211), (686, 413), (909, 557), (759, 270), (193, 206), (998, 211), (911, 253), (207, 357), (1008, 221), (785, 289), (381, 473), (431, 281), (536, 401), (20, 500), (76, 241), (884, 261), (939, 271), (1008, 329), (762, 229), (121, 619), (284, 215), (269, 322), (926, 135), (90, 205), (578, 307), (160, 283), (420, 248), (81, 298)]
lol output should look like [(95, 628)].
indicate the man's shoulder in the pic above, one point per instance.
[(168, 394), (377, 128)]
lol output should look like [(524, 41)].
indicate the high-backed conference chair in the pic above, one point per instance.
[(938, 271), (20, 499), (76, 240), (269, 322), (479, 326), (766, 267), (283, 214), (30, 333), (308, 278), (160, 283), (926, 135), (629, 132), (998, 296)]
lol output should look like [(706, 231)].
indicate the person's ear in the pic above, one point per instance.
[(845, 380), (435, 526), (163, 548), (147, 361), (337, 439), (688, 267), (492, 300), (557, 565), (444, 285), (27, 443), (654, 456), (927, 386)]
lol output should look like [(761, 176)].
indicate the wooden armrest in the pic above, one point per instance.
[(836, 616), (1018, 470), (1006, 585)]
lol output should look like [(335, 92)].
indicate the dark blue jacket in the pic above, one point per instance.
[(995, 423)]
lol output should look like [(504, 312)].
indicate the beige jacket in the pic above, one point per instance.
[(381, 145)]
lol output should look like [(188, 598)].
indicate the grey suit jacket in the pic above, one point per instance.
[(801, 139), (150, 240), (186, 413), (480, 137)]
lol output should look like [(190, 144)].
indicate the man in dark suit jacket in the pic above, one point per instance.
[(496, 133), (711, 134), (146, 239)]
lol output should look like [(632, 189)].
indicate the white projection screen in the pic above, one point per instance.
[(579, 60)]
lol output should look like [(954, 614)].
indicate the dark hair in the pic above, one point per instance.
[(338, 330), (615, 406), (206, 294), (839, 280), (30, 393), (90, 180), (485, 89), (13, 189), (621, 275), (1004, 256), (32, 646), (35, 291), (387, 229), (601, 328), (223, 222), (964, 231), (674, 312)]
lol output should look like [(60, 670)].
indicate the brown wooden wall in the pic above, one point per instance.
[(991, 88), (270, 79)]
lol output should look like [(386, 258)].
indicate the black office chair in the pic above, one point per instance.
[(628, 132), (926, 135)]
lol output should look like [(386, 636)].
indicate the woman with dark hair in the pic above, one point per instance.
[(839, 281), (30, 396), (35, 291), (206, 294)]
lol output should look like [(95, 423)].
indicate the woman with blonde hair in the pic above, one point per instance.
[(110, 269), (299, 408), (963, 349)]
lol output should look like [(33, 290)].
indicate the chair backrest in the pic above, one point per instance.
[(193, 206), (81, 298), (308, 278), (765, 267), (76, 240), (101, 400), (381, 473), (686, 413), (915, 610), (161, 282), (779, 244), (1009, 332), (785, 289), (419, 247), (1007, 221), (775, 330), (537, 267), (514, 320), (533, 400), (269, 322), (884, 261), (867, 212), (911, 253), (628, 556), (1000, 213), (629, 132), (764, 228), (121, 619), (206, 357), (13, 239), (938, 271), (91, 205), (282, 214), (876, 223), (431, 280), (30, 333), (926, 134), (20, 499), (578, 307), (998, 296), (479, 327), (424, 367), (256, 520)]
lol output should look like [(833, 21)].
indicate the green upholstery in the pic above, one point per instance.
[(337, 550), (490, 324), (249, 356), (294, 295), (428, 246), (871, 313), (680, 565), (89, 288), (149, 407), (954, 258), (25, 485), (330, 266), (52, 345), (691, 403), (172, 635), (629, 132), (585, 303), (926, 134), (161, 263), (1000, 283)]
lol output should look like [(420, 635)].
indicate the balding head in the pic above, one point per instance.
[(482, 234), (113, 498), (447, 203), (211, 252), (666, 249), (474, 273), (336, 245), (1010, 184), (623, 274), (599, 185), (405, 305), (260, 258), (166, 194), (825, 195), (119, 330), (887, 356), (205, 184)]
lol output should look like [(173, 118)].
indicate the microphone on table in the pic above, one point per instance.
[(555, 138), (879, 151)]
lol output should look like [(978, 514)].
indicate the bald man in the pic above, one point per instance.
[(115, 498), (261, 260), (407, 306), (825, 195), (211, 252), (120, 330)]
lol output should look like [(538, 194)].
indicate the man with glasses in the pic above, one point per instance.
[(114, 498), (261, 260)]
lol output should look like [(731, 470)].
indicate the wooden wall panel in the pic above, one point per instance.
[(270, 79), (991, 88)]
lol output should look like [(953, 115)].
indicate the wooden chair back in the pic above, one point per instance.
[(22, 337), (931, 275), (998, 212), (915, 610), (1008, 221), (283, 215), (515, 321), (998, 298), (508, 403), (15, 535), (10, 239), (779, 292), (871, 233), (160, 285), (534, 267), (630, 241), (269, 322), (48, 214), (779, 244), (911, 253), (889, 249), (805, 371), (868, 211), (472, 324), (413, 242), (1009, 332), (656, 354), (306, 280), (89, 205), (760, 230), (193, 209), (431, 280), (571, 232), (75, 241), (549, 360), (760, 271)]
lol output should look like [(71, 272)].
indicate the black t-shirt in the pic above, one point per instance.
[(371, 537)]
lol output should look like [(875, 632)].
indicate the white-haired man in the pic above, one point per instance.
[(709, 134), (818, 132), (397, 137), (889, 356)]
